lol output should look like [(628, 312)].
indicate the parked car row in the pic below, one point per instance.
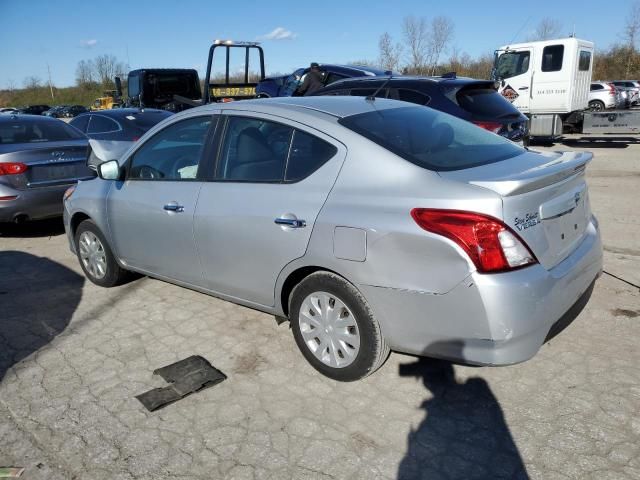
[(615, 94)]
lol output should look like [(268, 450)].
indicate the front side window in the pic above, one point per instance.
[(511, 64), (173, 153), (432, 139), (552, 58), (585, 61)]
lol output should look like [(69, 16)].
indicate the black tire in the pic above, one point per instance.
[(596, 106), (373, 350), (114, 274)]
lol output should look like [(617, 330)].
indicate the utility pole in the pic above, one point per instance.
[(50, 86)]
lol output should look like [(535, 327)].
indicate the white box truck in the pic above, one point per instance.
[(549, 81)]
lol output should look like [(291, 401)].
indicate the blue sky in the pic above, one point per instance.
[(164, 33)]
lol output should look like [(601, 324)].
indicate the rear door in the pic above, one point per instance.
[(271, 180), (515, 70), (150, 214)]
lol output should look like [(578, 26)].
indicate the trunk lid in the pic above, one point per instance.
[(544, 196), (57, 163)]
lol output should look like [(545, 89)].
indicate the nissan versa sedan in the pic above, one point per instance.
[(372, 225), (39, 158)]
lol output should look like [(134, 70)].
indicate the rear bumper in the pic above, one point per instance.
[(35, 203), (497, 319)]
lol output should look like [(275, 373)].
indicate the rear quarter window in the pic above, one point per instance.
[(432, 139)]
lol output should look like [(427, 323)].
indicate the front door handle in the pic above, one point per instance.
[(523, 88), (174, 207), (290, 222)]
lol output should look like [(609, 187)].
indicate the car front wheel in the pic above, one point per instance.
[(335, 329), (95, 256)]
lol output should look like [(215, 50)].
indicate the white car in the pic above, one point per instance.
[(604, 95)]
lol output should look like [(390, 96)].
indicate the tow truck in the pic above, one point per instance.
[(549, 81), (230, 86)]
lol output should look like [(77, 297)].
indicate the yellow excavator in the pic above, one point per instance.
[(111, 99)]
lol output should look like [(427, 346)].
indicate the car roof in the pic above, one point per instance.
[(338, 107), (26, 118), (123, 112), (458, 81)]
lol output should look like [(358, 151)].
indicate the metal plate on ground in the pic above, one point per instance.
[(625, 121), (185, 377)]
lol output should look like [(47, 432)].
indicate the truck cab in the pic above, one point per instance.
[(156, 87), (547, 80)]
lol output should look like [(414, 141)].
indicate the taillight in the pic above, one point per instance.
[(494, 127), (491, 245), (12, 168), (135, 139), (612, 89)]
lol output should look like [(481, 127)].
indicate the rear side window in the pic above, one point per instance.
[(486, 103), (80, 122), (37, 132), (254, 150), (100, 124), (585, 61), (432, 139), (596, 86), (308, 153), (552, 58)]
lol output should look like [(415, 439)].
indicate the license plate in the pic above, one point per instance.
[(54, 172), (233, 91)]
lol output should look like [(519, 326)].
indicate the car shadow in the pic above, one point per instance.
[(464, 433), (38, 297), (51, 227), (607, 141)]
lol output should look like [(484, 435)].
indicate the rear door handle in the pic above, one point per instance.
[(174, 207), (291, 222)]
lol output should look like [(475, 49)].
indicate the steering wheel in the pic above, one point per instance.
[(149, 173)]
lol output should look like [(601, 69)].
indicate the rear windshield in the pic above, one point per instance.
[(145, 120), (486, 102), (37, 132), (432, 139)]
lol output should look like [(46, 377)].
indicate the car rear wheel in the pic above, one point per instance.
[(596, 105), (335, 329), (95, 256)]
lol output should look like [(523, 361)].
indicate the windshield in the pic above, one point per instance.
[(510, 64), (432, 139), (37, 132)]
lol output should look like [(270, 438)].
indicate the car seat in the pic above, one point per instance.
[(254, 160)]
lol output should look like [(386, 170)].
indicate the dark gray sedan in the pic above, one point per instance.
[(40, 157)]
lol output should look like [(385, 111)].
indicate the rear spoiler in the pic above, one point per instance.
[(566, 166)]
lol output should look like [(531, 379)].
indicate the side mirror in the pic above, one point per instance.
[(109, 170)]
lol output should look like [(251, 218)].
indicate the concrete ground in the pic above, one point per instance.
[(73, 356)]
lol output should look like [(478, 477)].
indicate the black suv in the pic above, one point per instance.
[(477, 101), (34, 109)]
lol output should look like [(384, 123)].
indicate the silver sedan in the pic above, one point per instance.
[(372, 225)]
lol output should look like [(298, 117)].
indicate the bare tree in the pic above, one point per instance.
[(631, 32), (106, 67), (547, 29), (442, 30), (11, 85), (32, 82), (84, 73), (389, 58), (416, 32)]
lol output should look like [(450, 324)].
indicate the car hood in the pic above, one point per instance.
[(105, 150)]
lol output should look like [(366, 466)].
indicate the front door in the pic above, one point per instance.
[(514, 69), (151, 212), (270, 183)]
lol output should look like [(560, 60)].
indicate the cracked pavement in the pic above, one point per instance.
[(73, 356)]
